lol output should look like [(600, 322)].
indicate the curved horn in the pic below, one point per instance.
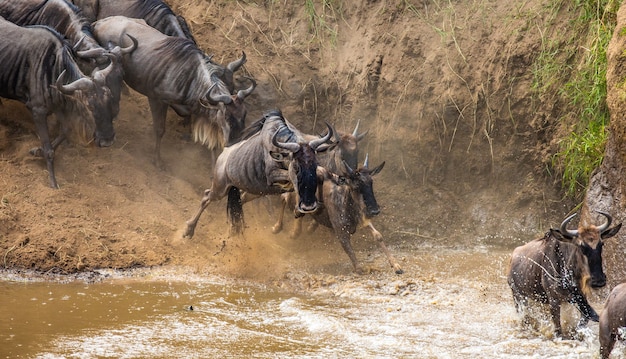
[(235, 65), (290, 146), (99, 76), (336, 135), (204, 103), (242, 94), (568, 232), (603, 227), (80, 84), (348, 168), (317, 142), (226, 99), (366, 162), (78, 44), (91, 53), (356, 128), (131, 48)]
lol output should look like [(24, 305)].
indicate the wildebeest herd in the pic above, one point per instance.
[(73, 59)]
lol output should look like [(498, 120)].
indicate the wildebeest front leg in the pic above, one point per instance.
[(278, 226), (159, 113), (191, 224), (344, 239), (379, 237), (555, 313), (47, 151)]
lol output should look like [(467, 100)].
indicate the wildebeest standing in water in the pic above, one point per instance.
[(34, 63), (560, 267), (170, 71), (613, 320), (272, 158)]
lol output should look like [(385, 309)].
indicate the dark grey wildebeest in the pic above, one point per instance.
[(160, 16), (561, 267), (171, 71), (272, 158), (60, 15), (343, 151), (35, 64), (613, 320), (156, 13)]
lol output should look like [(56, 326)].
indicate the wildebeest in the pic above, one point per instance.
[(156, 13), (59, 15), (343, 151), (272, 158), (160, 16), (613, 320), (348, 202), (170, 71), (34, 64), (560, 267)]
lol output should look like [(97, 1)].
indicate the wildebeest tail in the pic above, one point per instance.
[(234, 210)]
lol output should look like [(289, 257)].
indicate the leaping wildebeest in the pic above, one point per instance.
[(342, 152), (560, 267), (348, 202), (35, 62), (272, 158), (613, 320), (171, 71)]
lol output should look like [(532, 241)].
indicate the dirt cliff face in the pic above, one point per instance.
[(444, 90), (606, 187)]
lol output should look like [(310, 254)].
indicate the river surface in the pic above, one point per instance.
[(452, 304)]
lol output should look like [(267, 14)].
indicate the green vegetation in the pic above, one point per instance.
[(582, 61), (321, 19)]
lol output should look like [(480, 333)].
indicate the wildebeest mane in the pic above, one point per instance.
[(53, 17), (53, 65), (155, 12), (285, 134), (142, 9)]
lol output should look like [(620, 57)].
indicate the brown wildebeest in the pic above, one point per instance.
[(560, 267), (613, 318)]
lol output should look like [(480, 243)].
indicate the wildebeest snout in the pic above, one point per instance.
[(102, 141)]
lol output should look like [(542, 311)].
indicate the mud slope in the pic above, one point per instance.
[(442, 88)]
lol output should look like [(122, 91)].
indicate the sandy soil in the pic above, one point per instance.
[(442, 88)]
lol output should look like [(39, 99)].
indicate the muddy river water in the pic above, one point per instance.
[(453, 304)]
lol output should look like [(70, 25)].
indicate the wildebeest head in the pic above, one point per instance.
[(345, 147), (590, 240), (231, 111), (362, 184), (302, 168), (94, 102)]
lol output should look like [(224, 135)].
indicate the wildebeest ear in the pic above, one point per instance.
[(610, 232), (377, 169), (325, 147), (279, 156)]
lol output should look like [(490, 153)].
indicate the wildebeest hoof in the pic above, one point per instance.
[(399, 271), (189, 231), (37, 152), (277, 228)]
